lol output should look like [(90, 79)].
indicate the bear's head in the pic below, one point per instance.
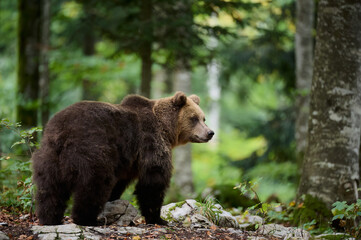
[(191, 125)]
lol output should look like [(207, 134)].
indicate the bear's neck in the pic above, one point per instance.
[(167, 121)]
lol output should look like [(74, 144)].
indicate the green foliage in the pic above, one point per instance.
[(312, 210), (231, 198), (15, 174), (210, 210), (248, 189), (348, 214)]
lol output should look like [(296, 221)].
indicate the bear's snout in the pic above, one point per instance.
[(210, 134)]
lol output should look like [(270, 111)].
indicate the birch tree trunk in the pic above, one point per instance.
[(304, 68), (214, 89), (331, 166), (28, 62), (182, 155)]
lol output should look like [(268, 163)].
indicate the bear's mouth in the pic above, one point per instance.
[(197, 139)]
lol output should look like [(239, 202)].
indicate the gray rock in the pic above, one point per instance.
[(98, 230), (286, 233), (190, 213), (120, 211), (235, 231), (67, 231), (3, 236), (44, 229), (199, 221), (69, 228), (131, 230), (68, 237), (249, 222), (256, 238), (90, 236), (48, 236)]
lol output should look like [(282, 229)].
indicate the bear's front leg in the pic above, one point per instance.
[(150, 192)]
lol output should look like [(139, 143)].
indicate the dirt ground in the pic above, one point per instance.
[(18, 227)]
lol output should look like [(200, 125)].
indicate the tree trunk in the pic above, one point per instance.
[(44, 65), (146, 48), (214, 89), (331, 166), (214, 92), (89, 86), (28, 62), (304, 68), (182, 155), (89, 89)]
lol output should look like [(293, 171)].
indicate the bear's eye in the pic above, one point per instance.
[(194, 119)]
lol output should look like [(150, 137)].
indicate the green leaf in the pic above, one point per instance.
[(339, 216), (18, 143), (340, 205)]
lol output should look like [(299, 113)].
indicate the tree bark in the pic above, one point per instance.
[(146, 47), (331, 166), (89, 88), (28, 62), (183, 177), (304, 68), (214, 89), (44, 64)]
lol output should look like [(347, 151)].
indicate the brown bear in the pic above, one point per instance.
[(94, 150)]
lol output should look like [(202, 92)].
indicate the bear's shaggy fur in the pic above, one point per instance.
[(94, 150)]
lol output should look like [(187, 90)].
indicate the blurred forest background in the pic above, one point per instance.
[(238, 56)]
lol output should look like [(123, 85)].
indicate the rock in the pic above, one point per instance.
[(48, 236), (44, 229), (3, 236), (68, 237), (225, 219), (249, 222), (199, 221), (334, 236), (120, 211), (74, 232), (286, 233), (256, 238), (131, 230), (197, 215), (235, 231), (69, 229)]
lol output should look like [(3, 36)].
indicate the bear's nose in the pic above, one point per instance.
[(210, 134)]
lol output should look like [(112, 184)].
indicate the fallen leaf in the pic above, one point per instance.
[(213, 227)]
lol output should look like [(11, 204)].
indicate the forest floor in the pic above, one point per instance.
[(18, 226)]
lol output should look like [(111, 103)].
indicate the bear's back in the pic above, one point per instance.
[(92, 123), (137, 103)]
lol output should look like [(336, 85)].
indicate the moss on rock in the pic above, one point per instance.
[(312, 209)]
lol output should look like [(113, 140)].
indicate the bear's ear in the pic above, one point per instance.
[(195, 99), (179, 99)]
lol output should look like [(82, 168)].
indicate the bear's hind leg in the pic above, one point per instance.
[(51, 204), (89, 200), (52, 193)]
